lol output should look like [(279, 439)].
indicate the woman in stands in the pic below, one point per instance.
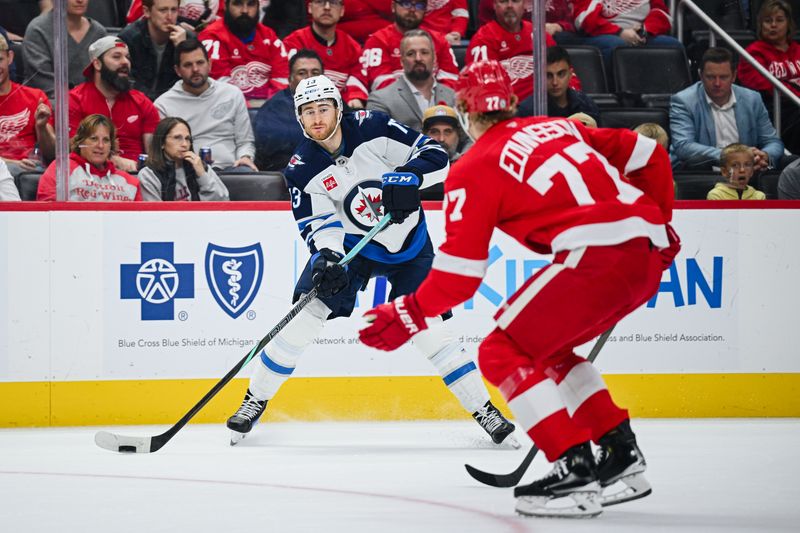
[(92, 175), (780, 54), (174, 171)]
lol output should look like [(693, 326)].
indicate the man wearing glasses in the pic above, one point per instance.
[(380, 62)]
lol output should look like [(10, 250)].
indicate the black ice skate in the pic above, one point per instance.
[(621, 466), (246, 417), (495, 424), (570, 490)]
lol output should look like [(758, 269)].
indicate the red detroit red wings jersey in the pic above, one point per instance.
[(17, 122), (513, 50), (552, 185), (445, 16), (784, 65), (341, 59), (596, 17), (380, 62), (259, 68)]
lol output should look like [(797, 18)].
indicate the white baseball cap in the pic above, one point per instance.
[(100, 47)]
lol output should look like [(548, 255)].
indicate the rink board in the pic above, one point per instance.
[(130, 315)]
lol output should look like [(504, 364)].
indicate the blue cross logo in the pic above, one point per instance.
[(156, 281)]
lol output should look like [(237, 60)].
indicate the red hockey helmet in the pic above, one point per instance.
[(484, 86)]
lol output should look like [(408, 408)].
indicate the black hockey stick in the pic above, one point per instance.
[(120, 443), (512, 479)]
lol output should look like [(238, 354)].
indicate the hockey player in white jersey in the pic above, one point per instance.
[(354, 168)]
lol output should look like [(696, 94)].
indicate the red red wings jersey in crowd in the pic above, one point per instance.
[(593, 17), (88, 183), (552, 185), (18, 122), (783, 65), (341, 59), (259, 68), (133, 114), (189, 9), (513, 50), (446, 16), (380, 62), (362, 18)]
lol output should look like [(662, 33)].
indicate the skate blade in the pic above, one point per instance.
[(237, 437), (626, 489), (583, 503), (512, 441)]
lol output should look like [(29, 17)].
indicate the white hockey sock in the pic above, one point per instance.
[(278, 360), (580, 383), (458, 371)]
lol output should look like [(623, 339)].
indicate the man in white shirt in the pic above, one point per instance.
[(8, 191), (713, 113), (417, 89), (216, 111)]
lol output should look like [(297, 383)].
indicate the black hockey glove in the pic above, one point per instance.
[(400, 194), (328, 276)]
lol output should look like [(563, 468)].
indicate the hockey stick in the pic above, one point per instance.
[(512, 479), (120, 443)]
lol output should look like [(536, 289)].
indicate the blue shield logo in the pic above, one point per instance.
[(234, 276)]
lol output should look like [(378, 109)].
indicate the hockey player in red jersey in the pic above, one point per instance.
[(509, 39), (246, 53), (380, 62), (339, 52), (600, 200)]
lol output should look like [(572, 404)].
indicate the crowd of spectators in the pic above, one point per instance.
[(154, 81)]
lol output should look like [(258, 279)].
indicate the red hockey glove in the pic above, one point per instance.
[(393, 323), (668, 254)]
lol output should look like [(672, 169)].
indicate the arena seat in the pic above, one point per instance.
[(27, 185), (630, 117), (255, 186), (649, 76), (587, 61), (694, 185), (19, 60), (460, 51)]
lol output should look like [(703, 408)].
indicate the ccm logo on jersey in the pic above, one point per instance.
[(330, 183), (405, 318)]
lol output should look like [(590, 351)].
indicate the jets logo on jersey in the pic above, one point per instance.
[(363, 204), (330, 183), (295, 161), (361, 115)]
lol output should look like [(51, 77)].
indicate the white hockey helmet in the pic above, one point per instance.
[(314, 89)]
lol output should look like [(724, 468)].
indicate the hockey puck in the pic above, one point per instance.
[(127, 449)]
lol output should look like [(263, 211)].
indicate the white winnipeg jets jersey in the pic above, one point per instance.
[(336, 199)]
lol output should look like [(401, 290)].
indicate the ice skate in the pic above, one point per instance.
[(495, 424), (621, 466), (570, 490), (245, 417)]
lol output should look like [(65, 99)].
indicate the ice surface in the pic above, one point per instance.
[(708, 475)]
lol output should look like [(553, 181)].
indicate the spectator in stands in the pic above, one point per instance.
[(340, 53), (215, 110), (12, 69), (8, 191), (192, 14), (440, 123), (789, 182), (508, 39), (584, 119), (25, 135), (737, 168), (92, 175), (174, 172), (558, 18), (365, 17), (108, 92), (151, 41), (562, 100), (713, 113), (655, 132), (276, 128), (780, 55), (448, 17), (37, 47), (417, 89), (614, 23), (381, 59), (244, 52)]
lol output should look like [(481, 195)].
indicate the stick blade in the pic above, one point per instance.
[(493, 480), (122, 444)]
